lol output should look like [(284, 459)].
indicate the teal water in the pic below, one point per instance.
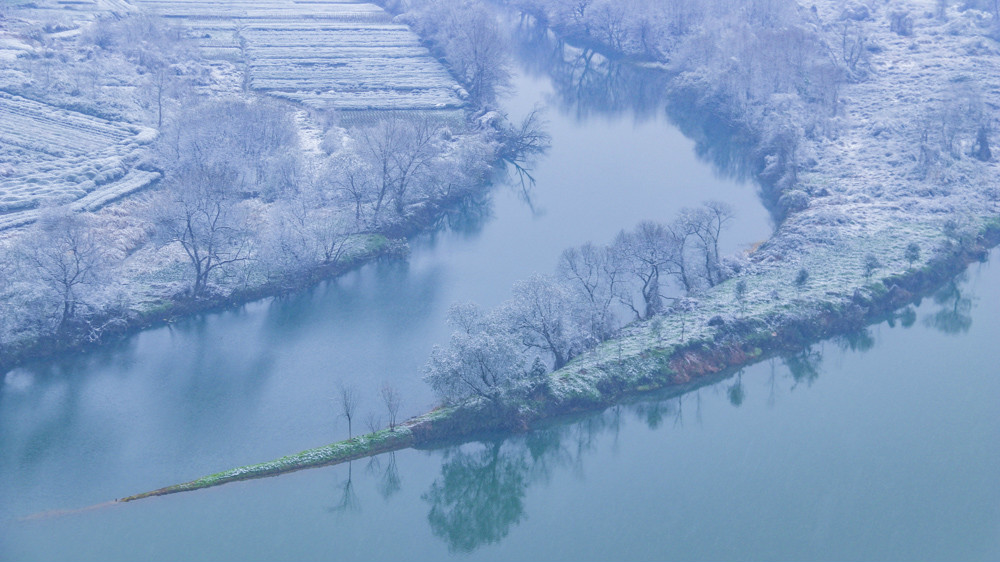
[(879, 446), (882, 446)]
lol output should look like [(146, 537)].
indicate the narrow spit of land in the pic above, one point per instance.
[(864, 199)]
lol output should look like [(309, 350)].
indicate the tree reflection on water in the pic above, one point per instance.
[(955, 313), (481, 492), (587, 84), (478, 496)]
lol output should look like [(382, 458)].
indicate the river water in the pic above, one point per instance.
[(882, 445)]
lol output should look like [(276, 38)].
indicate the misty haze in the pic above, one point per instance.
[(499, 279)]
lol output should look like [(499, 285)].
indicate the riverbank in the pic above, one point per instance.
[(300, 227), (162, 297), (708, 354), (859, 207)]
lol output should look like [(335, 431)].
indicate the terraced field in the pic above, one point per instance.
[(329, 54), (49, 154), (344, 55)]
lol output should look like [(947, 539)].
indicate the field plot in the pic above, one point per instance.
[(48, 154), (65, 10), (344, 55)]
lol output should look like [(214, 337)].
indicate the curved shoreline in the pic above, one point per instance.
[(393, 242), (677, 367), (864, 200)]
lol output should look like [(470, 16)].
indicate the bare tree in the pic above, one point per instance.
[(300, 235), (469, 36), (200, 211), (391, 400), (373, 422), (853, 42), (708, 224), (522, 143), (592, 272), (648, 254), (216, 157), (65, 256), (681, 231), (347, 399), (480, 56), (351, 177), (611, 26), (252, 141), (393, 157), (540, 314)]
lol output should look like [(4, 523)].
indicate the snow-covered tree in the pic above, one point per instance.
[(483, 359), (649, 256), (65, 256), (543, 318), (201, 210), (593, 274)]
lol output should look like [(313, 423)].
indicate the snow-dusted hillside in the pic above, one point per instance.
[(73, 121), (49, 154), (334, 54)]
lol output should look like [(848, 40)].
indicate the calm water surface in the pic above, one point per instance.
[(889, 452), (879, 446)]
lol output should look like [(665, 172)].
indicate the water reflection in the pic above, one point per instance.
[(390, 482), (479, 495), (348, 498), (736, 392), (804, 365), (587, 84), (954, 315), (468, 218), (389, 294), (859, 341), (906, 317)]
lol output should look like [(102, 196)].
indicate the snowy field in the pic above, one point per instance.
[(49, 154), (325, 53)]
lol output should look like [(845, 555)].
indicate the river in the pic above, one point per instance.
[(886, 452)]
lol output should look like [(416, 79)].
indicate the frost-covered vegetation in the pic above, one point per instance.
[(880, 178), (467, 35), (870, 128), (330, 54), (56, 155), (249, 194), (504, 354)]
